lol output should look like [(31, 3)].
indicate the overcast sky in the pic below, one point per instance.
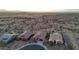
[(39, 5)]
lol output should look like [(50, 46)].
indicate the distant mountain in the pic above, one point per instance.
[(59, 11), (71, 10), (12, 11)]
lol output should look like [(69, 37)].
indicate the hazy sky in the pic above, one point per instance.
[(39, 5)]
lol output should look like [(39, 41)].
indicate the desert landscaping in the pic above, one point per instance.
[(33, 22)]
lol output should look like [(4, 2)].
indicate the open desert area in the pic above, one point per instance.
[(18, 22)]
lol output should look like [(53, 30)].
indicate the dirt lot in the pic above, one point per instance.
[(19, 22)]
